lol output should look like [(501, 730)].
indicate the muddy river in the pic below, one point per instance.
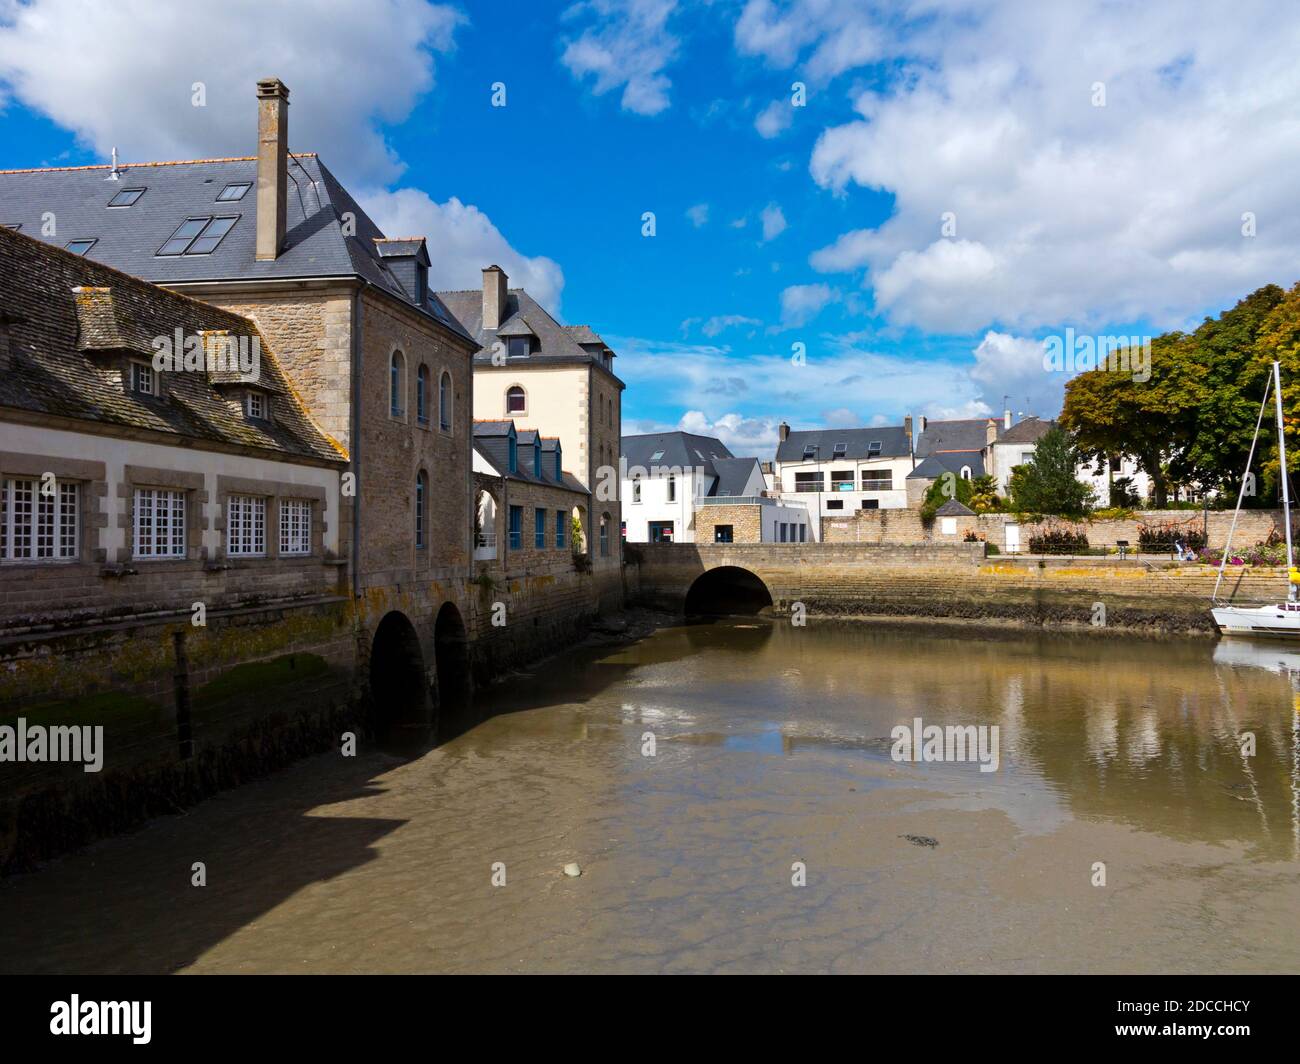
[(730, 794)]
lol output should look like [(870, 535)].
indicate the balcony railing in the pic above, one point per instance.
[(485, 546)]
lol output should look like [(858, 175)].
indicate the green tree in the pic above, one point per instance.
[(1047, 484), (948, 486)]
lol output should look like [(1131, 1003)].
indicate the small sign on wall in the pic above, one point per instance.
[(948, 526)]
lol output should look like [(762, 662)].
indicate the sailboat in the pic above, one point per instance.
[(1280, 619)]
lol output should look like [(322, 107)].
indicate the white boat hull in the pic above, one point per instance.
[(1281, 621)]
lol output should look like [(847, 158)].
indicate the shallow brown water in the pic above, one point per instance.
[(773, 747)]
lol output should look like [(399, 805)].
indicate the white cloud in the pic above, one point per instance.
[(844, 35), (743, 436), (462, 240), (721, 322), (774, 223), (628, 45), (800, 303), (1065, 212), (774, 119), (698, 215), (349, 68), (1009, 373)]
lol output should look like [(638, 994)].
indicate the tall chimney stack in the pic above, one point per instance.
[(1006, 419), (495, 287), (272, 165), (783, 431)]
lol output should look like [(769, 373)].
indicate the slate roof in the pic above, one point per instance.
[(129, 238), (679, 449), (970, 434), (953, 508), (733, 475), (1031, 430), (491, 440), (892, 439), (934, 466), (66, 351), (523, 315)]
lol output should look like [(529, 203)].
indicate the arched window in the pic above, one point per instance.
[(396, 378), (444, 401), (422, 395), (965, 472), (516, 401), (421, 498)]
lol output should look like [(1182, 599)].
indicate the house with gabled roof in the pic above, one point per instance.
[(532, 370), (675, 482), (129, 485)]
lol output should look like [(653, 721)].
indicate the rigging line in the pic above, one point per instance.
[(1242, 494)]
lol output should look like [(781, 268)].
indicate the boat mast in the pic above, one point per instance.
[(1286, 491)]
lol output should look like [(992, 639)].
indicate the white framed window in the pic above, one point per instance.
[(246, 525), (295, 526), (159, 523), (38, 525), (143, 379), (256, 406)]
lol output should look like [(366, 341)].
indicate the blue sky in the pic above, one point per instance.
[(821, 225)]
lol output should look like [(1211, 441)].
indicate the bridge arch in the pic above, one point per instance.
[(400, 708), (451, 658), (727, 589)]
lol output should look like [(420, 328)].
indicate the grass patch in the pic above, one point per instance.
[(258, 676), (106, 708)]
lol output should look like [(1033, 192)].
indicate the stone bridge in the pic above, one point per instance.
[(953, 581)]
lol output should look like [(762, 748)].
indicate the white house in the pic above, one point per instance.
[(667, 477), (1015, 446), (835, 472)]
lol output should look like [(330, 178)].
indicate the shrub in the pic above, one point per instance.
[(1059, 539), (1160, 538)]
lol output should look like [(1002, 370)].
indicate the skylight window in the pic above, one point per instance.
[(841, 449), (810, 450), (15, 226), (656, 456), (874, 446), (126, 198), (233, 192), (80, 247), (198, 236)]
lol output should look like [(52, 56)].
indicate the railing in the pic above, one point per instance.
[(485, 546), (736, 500)]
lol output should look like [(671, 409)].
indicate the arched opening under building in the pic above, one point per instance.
[(451, 658), (727, 591), (400, 709)]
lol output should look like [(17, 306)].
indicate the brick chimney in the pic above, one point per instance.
[(494, 296), (907, 429), (272, 166), (783, 432)]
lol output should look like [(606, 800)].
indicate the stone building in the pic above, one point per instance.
[(532, 370)]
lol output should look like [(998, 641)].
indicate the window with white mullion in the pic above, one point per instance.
[(38, 523), (246, 525), (295, 526), (159, 524)]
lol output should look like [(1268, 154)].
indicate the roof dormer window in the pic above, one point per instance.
[(874, 446), (810, 451), (840, 450), (126, 198), (143, 379), (519, 347), (256, 405)]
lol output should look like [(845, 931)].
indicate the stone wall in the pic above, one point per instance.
[(746, 522), (955, 582), (906, 527)]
